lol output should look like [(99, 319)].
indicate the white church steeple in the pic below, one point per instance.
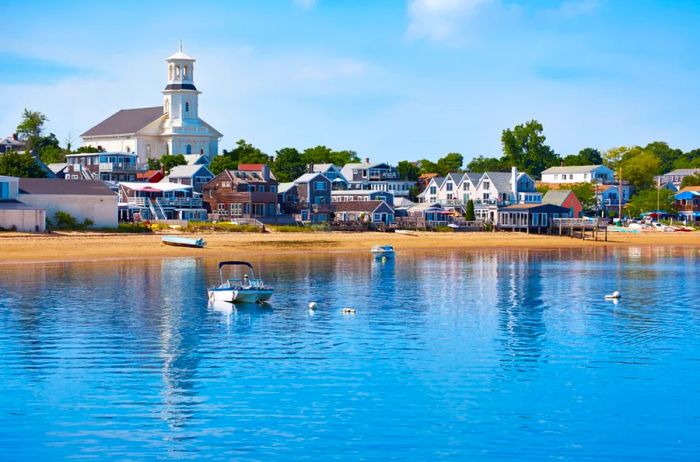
[(180, 100)]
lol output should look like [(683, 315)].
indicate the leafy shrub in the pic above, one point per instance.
[(66, 221), (443, 229), (195, 226)]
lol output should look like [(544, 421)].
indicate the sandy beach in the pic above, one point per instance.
[(21, 248)]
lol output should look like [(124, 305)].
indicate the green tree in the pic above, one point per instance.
[(31, 127), (667, 156), (650, 200), (23, 165), (168, 161), (452, 162), (690, 159), (49, 150), (483, 164), (153, 164), (221, 163), (88, 149), (470, 215), (613, 156), (585, 192), (427, 166), (341, 158), (586, 156), (639, 167), (288, 165), (524, 147), (408, 171), (691, 180)]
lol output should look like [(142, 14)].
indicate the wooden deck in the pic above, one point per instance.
[(580, 227)]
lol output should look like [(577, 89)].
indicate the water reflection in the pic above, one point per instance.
[(450, 352)]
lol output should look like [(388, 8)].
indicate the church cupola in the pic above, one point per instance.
[(180, 94)]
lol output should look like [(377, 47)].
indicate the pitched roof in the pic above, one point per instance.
[(473, 177), (306, 177), (690, 188), (536, 206), (147, 174), (57, 167), (683, 171), (251, 167), (58, 186), (195, 159), (455, 177), (16, 205), (321, 168), (284, 187), (572, 169), (357, 206), (500, 180), (161, 186), (556, 196), (186, 171), (126, 121)]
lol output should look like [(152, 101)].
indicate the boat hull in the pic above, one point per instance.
[(239, 295)]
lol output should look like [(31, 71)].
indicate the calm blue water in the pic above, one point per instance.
[(487, 355)]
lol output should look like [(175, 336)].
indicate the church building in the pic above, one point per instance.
[(174, 128)]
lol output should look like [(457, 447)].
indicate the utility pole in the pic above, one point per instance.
[(658, 191), (619, 200)]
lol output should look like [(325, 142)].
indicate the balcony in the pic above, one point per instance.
[(382, 175), (117, 166), (180, 202)]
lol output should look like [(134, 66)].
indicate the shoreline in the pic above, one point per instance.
[(17, 248)]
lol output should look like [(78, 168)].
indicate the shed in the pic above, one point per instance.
[(88, 199)]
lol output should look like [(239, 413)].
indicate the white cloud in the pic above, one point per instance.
[(305, 4), (441, 20)]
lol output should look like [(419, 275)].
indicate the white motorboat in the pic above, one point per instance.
[(382, 251), (247, 289)]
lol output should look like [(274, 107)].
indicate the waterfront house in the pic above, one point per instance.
[(578, 174), (564, 198), (363, 212), (455, 189), (249, 192), (675, 177), (89, 199), (159, 201), (12, 143), (376, 177), (196, 175), (308, 198), (401, 206), (427, 215), (530, 217), (501, 189), (103, 166), (349, 195), (332, 172), (16, 215), (609, 197), (688, 203)]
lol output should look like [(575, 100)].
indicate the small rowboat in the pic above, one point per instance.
[(382, 251), (184, 241)]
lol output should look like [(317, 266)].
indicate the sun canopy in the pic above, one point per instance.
[(687, 195)]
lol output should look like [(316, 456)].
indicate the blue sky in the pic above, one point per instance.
[(391, 79)]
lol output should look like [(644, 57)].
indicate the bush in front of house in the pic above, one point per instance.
[(197, 226), (66, 222)]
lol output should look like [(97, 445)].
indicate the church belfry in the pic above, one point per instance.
[(180, 96)]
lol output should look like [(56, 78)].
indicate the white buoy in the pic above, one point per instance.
[(614, 296), (312, 305), (348, 310)]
